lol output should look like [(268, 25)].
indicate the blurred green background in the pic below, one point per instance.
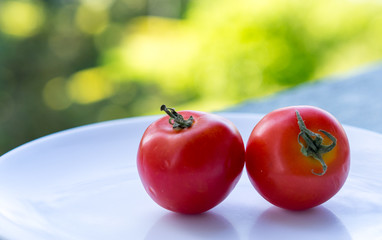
[(67, 63)]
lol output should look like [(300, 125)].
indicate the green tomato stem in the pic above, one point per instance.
[(313, 146), (176, 120)]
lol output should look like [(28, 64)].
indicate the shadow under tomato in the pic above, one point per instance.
[(316, 223), (202, 226)]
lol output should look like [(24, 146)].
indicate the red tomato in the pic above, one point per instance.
[(193, 169), (288, 171)]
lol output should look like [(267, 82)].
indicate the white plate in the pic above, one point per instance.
[(82, 184)]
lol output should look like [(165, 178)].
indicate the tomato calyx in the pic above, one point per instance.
[(176, 120), (313, 146)]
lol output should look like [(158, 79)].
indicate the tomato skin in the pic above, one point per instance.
[(193, 169), (281, 173)]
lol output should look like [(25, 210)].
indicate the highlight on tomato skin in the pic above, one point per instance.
[(189, 161), (298, 157)]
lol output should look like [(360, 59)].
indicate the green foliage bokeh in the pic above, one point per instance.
[(69, 63)]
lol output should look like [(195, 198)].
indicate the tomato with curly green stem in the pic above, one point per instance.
[(298, 157), (190, 161)]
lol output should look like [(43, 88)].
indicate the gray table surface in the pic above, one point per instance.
[(354, 98)]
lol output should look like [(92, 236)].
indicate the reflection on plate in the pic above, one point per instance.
[(82, 184)]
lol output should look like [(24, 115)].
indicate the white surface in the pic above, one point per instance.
[(82, 184)]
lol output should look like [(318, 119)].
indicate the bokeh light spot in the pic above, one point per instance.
[(54, 94), (161, 47), (89, 86), (91, 20), (21, 19)]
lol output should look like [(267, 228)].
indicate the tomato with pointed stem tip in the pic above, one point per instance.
[(298, 157), (190, 161)]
